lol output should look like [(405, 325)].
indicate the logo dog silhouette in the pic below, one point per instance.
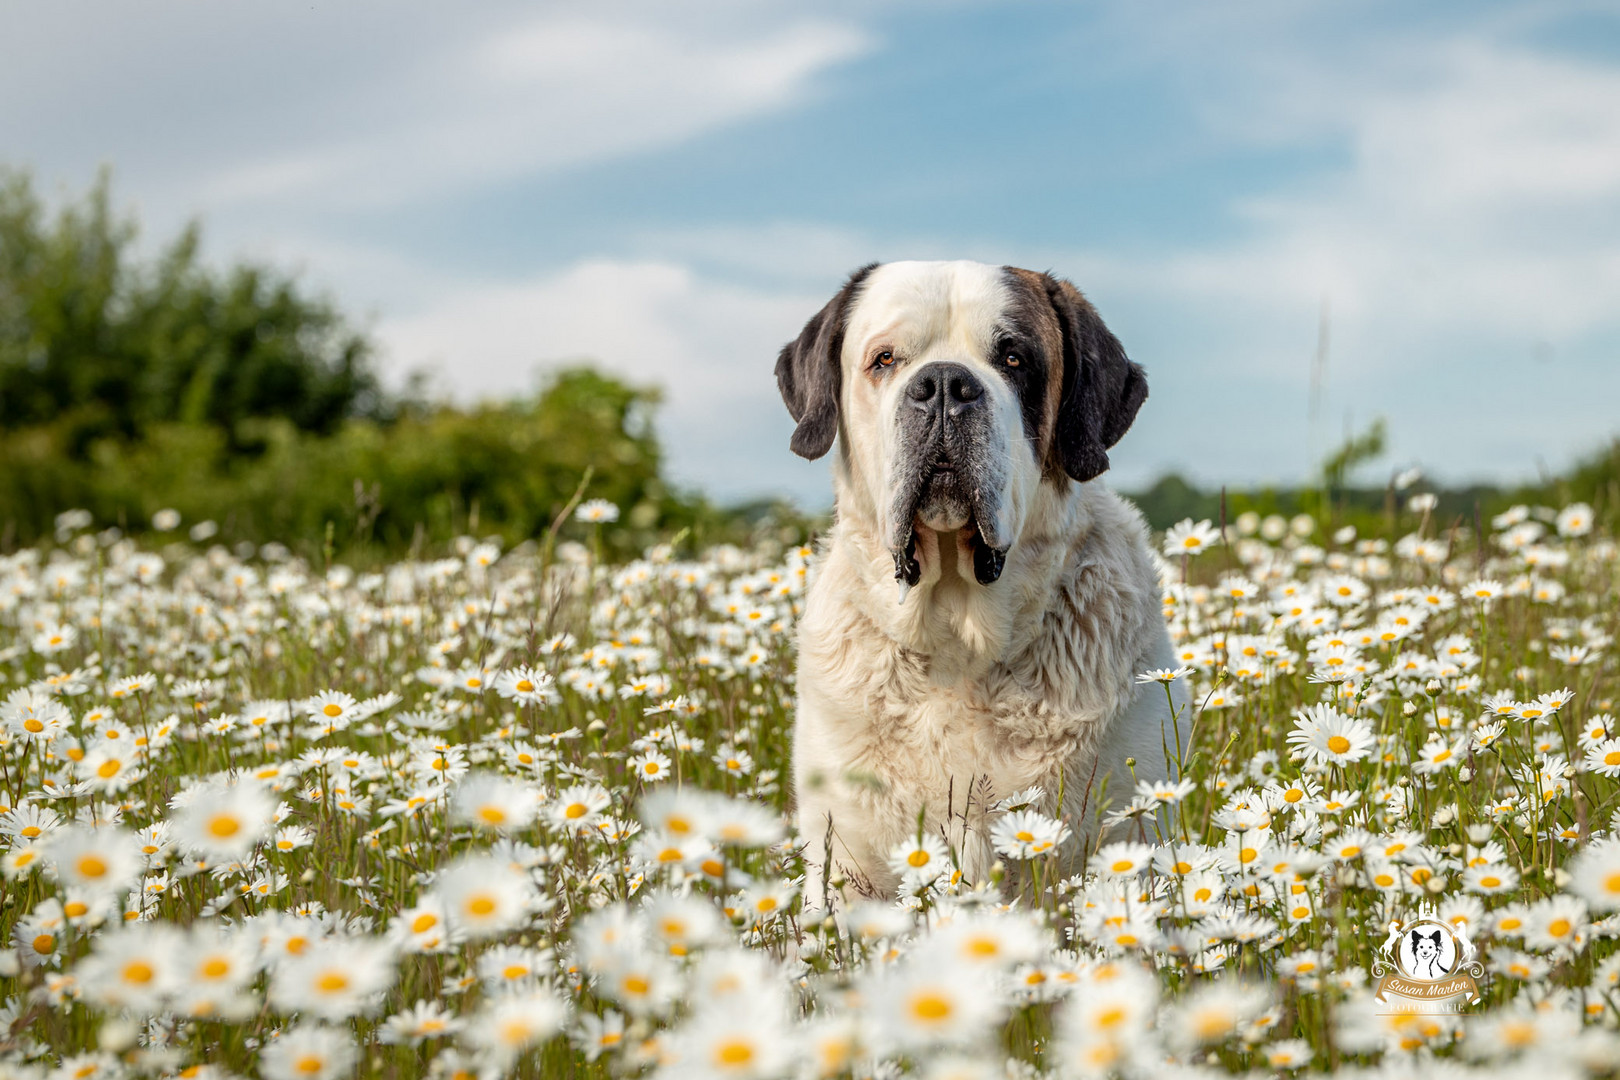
[(1426, 956)]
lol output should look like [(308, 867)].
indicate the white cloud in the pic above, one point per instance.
[(277, 113), (1476, 196), (528, 99)]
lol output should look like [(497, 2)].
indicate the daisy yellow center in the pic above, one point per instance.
[(481, 905), (1025, 836), (333, 709), (74, 908), (930, 1007), (918, 858), (1490, 881), (223, 826), (635, 984), (1558, 927), (733, 1052), (514, 971), (1612, 757), (139, 972), (30, 831), (92, 866), (33, 725), (215, 968), (1338, 744), (1518, 1033), (1121, 866), (574, 811), (424, 922), (44, 943), (332, 982), (109, 768), (1293, 795), (309, 1065), (492, 815)]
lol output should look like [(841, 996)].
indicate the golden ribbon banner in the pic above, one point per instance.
[(1425, 990)]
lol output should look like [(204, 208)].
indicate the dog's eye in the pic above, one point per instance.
[(884, 358), (1011, 358)]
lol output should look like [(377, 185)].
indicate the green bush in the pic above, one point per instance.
[(505, 470)]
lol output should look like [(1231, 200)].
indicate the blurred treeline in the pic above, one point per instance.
[(1377, 509), (130, 385)]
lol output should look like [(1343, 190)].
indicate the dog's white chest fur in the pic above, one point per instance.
[(931, 711)]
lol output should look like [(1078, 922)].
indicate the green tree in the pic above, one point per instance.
[(97, 342)]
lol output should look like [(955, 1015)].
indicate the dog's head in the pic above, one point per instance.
[(1425, 946), (955, 390)]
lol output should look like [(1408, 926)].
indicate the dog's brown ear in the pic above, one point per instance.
[(809, 372), (1102, 388)]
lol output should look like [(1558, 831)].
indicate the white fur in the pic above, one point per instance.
[(963, 694)]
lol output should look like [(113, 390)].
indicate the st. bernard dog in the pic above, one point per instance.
[(981, 606)]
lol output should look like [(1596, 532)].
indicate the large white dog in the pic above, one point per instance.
[(981, 608)]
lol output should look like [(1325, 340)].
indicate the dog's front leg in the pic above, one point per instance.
[(843, 852), (843, 856)]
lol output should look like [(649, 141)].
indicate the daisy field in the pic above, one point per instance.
[(523, 813)]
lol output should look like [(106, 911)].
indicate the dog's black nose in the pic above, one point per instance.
[(948, 386)]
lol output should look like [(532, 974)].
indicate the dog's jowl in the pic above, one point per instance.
[(982, 605)]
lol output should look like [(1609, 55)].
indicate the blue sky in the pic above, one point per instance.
[(672, 189)]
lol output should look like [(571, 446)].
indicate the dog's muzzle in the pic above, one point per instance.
[(945, 477)]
